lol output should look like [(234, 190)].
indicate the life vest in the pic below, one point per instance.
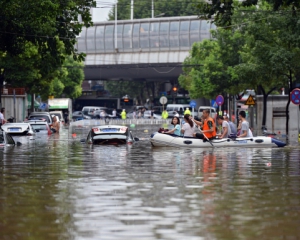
[(206, 127)]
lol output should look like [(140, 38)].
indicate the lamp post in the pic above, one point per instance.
[(116, 25)]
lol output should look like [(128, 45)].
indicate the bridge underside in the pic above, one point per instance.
[(134, 72)]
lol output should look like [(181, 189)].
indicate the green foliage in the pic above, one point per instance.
[(35, 38), (222, 11), (143, 9), (209, 69)]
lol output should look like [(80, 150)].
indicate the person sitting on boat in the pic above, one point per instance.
[(226, 131), (177, 128), (188, 129), (231, 125), (208, 126), (244, 125)]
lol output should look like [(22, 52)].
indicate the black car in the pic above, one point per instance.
[(78, 115)]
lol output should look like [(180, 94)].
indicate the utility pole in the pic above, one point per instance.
[(116, 25)]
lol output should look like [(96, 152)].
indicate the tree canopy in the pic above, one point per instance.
[(221, 12), (36, 37)]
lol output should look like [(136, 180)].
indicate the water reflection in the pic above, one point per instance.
[(62, 189)]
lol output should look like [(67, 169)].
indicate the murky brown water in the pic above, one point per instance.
[(58, 188)]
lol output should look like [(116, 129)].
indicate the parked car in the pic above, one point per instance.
[(89, 110), (78, 115), (41, 116), (107, 113), (40, 126), (213, 112), (147, 114)]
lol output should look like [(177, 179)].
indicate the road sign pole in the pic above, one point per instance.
[(298, 123)]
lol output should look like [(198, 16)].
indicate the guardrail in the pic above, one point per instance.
[(95, 122)]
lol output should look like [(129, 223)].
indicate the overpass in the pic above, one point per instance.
[(149, 49)]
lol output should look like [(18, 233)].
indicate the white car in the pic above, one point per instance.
[(18, 129), (40, 126)]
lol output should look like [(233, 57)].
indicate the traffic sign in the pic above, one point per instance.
[(250, 100), (43, 105), (163, 100), (193, 104), (295, 96), (219, 100)]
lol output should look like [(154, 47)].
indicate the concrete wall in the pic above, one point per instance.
[(276, 117), (20, 106)]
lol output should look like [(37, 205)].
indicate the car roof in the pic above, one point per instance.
[(39, 113), (32, 121)]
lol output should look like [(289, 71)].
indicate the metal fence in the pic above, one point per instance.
[(96, 122)]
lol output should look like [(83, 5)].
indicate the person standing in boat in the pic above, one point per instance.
[(226, 131), (208, 126), (176, 124), (244, 125), (188, 129)]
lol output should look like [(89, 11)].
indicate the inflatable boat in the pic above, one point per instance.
[(109, 135), (162, 140)]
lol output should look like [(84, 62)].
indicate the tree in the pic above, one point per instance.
[(222, 11), (208, 69), (51, 27), (143, 9), (68, 82), (271, 55)]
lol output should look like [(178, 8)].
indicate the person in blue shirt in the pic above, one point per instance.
[(177, 128)]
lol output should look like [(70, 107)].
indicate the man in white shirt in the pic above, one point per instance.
[(226, 131), (2, 119)]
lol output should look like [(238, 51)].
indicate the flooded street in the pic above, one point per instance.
[(58, 188)]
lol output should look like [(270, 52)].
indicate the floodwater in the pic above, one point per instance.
[(59, 188)]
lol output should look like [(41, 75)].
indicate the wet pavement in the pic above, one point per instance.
[(58, 188)]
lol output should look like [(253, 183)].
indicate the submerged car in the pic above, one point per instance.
[(41, 116), (6, 139), (110, 134), (18, 129), (40, 126)]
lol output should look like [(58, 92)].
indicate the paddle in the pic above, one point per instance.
[(203, 134)]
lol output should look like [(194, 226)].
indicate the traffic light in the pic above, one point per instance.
[(174, 90), (126, 100)]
